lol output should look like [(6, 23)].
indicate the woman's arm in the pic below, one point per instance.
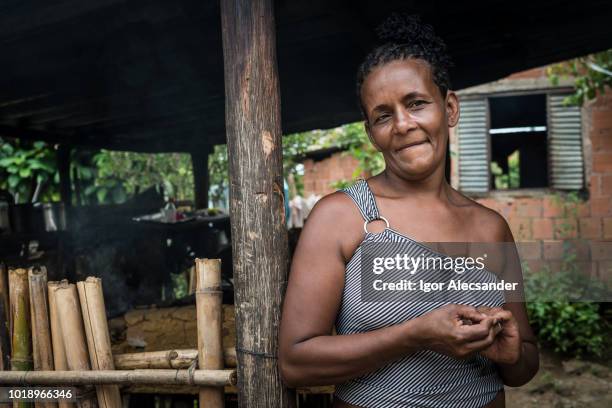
[(309, 354)]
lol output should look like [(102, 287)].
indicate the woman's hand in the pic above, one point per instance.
[(506, 349), (446, 331)]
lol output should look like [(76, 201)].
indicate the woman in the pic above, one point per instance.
[(400, 354)]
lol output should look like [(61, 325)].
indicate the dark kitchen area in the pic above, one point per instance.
[(138, 254)]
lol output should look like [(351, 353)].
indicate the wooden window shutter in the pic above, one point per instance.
[(565, 161), (473, 138)]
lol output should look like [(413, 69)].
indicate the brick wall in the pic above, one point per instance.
[(319, 175), (547, 221)]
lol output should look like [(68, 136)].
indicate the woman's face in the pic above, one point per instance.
[(408, 118)]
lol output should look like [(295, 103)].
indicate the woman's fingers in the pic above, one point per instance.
[(478, 331), (481, 344), (470, 313)]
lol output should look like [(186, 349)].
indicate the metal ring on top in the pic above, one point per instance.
[(380, 217)]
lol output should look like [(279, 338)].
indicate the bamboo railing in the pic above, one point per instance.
[(64, 333)]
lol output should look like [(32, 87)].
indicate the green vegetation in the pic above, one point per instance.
[(512, 179), (576, 328), (566, 317), (591, 74)]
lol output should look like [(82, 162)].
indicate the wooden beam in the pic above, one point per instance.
[(201, 178), (213, 378), (257, 214), (63, 167)]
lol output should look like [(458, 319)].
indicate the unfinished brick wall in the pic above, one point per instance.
[(319, 175), (588, 225)]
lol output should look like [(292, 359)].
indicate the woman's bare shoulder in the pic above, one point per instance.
[(492, 226), (336, 215)]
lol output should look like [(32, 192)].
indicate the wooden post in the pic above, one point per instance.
[(73, 333), (201, 179), (41, 333), (257, 213), (5, 342), (63, 167), (209, 316), (21, 337), (57, 341), (98, 338)]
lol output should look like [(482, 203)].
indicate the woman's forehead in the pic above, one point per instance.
[(396, 78)]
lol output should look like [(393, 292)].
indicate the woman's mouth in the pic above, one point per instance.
[(410, 145)]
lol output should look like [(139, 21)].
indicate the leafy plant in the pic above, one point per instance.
[(591, 73), (512, 179), (563, 317), (25, 166)]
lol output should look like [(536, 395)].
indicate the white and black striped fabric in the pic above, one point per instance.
[(422, 379)]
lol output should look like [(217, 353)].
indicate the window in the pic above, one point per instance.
[(518, 142), (513, 142)]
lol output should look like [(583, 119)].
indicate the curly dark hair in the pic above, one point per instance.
[(404, 36)]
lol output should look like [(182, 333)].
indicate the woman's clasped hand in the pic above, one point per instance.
[(460, 331)]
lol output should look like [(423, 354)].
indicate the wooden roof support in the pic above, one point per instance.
[(259, 234), (201, 178), (63, 167)]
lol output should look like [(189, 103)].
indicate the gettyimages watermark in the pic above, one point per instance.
[(481, 273)]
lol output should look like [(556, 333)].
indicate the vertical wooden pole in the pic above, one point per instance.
[(98, 338), (201, 179), (73, 335), (5, 342), (209, 315), (41, 333), (57, 341), (257, 214), (63, 167), (21, 337)]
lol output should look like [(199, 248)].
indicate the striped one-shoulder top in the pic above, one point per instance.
[(424, 378)]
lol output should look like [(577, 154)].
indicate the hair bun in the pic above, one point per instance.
[(405, 28)]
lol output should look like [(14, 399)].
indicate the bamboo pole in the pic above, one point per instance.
[(21, 340), (73, 333), (98, 338), (209, 316), (5, 342), (59, 354), (41, 334), (210, 378), (180, 358), (5, 339)]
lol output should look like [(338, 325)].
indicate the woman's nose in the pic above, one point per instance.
[(403, 121)]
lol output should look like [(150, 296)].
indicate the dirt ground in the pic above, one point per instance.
[(563, 383)]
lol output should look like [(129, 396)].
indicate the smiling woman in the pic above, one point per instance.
[(389, 354)]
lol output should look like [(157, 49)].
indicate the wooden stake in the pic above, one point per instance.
[(257, 211), (5, 342), (21, 340), (41, 334), (209, 316), (73, 333), (211, 378), (98, 338), (59, 354)]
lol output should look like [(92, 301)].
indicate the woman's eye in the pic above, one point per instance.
[(418, 103), (382, 118)]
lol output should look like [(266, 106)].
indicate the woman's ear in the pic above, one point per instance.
[(369, 133), (452, 108)]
